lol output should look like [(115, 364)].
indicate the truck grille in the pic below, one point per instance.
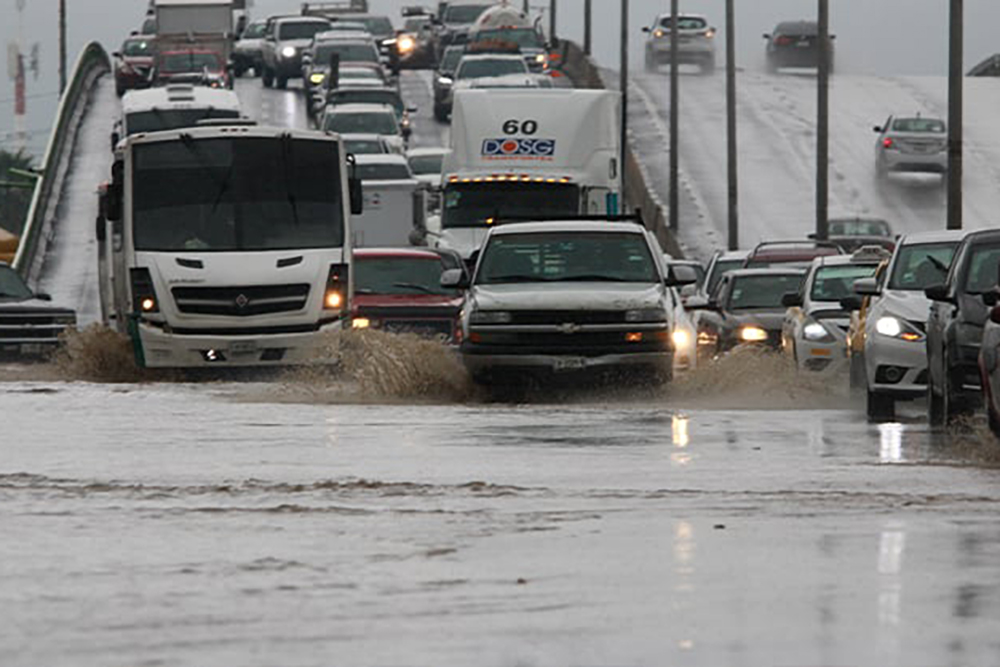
[(33, 327), (241, 301), (557, 317)]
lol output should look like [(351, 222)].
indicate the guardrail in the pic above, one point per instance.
[(39, 228), (579, 67)]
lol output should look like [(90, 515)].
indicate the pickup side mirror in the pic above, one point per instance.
[(791, 300), (679, 275), (939, 293), (455, 279), (699, 302), (867, 287), (42, 296)]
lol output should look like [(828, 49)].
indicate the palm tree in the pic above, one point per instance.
[(15, 190)]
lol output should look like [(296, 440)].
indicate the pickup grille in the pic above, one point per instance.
[(25, 326), (241, 301), (557, 317)]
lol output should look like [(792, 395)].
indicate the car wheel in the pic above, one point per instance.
[(935, 404), (281, 82), (267, 77), (881, 407)]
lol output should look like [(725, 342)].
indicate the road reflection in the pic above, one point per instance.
[(891, 442)]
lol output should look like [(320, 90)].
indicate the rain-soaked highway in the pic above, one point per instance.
[(743, 517)]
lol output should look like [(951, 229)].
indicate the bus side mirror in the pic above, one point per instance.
[(357, 195), (113, 195)]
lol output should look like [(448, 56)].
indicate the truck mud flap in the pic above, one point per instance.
[(133, 334)]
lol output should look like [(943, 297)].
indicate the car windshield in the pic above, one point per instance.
[(417, 24), (382, 172), (833, 283), (242, 194), (399, 276), (363, 73), (462, 14), (859, 228), (386, 97), (804, 29), (380, 26), (348, 52), (523, 37), (685, 23), (301, 29), (567, 257), (137, 47), (11, 285), (189, 62), (426, 164), (452, 55), (919, 266), (474, 69), (156, 120), (720, 269), (362, 122), (929, 125), (478, 204), (982, 275), (762, 291), (254, 31), (365, 146)]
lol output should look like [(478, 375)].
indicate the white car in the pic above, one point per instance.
[(696, 45), (895, 322), (350, 119), (426, 164), (918, 145), (815, 329), (472, 67), (567, 298)]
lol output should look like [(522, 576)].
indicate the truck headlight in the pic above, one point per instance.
[(752, 334), (335, 296), (816, 333), (893, 327), (143, 293), (646, 315), (490, 317), (288, 52)]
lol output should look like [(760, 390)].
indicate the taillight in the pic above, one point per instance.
[(888, 142), (143, 294), (782, 40), (335, 297)]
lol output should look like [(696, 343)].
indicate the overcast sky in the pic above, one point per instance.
[(885, 37)]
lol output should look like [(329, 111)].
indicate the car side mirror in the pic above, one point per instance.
[(407, 131), (995, 315), (701, 303), (766, 36), (412, 109), (689, 291), (116, 54), (791, 300), (877, 129), (42, 296), (991, 298), (867, 287), (680, 275), (115, 138), (645, 28), (851, 303), (455, 279), (938, 293)]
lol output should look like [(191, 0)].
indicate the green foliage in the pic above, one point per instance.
[(14, 201)]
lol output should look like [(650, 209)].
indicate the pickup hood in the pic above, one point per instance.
[(407, 302), (909, 305), (463, 240), (567, 296)]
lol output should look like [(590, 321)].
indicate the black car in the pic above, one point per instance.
[(795, 44), (747, 308), (444, 79), (29, 325), (958, 313)]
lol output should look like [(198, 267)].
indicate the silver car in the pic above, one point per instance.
[(695, 42), (918, 145)]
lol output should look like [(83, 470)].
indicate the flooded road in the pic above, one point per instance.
[(225, 523)]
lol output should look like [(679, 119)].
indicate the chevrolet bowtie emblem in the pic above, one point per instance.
[(569, 328)]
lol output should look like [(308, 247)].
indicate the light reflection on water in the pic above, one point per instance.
[(891, 442)]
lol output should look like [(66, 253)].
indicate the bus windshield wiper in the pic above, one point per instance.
[(287, 158)]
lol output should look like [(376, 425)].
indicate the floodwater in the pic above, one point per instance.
[(303, 521)]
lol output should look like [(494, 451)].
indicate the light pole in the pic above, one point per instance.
[(823, 124), (732, 157), (552, 20), (955, 112), (588, 26), (62, 46), (675, 164), (624, 92)]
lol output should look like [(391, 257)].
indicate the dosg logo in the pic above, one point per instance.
[(519, 147)]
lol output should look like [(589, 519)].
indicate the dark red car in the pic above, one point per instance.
[(194, 66), (789, 253), (133, 63), (399, 289)]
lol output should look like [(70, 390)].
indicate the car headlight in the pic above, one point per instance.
[(405, 44), (752, 334), (490, 317), (540, 59), (445, 81), (659, 33), (681, 339), (646, 315), (316, 78), (288, 52), (893, 327), (816, 332)]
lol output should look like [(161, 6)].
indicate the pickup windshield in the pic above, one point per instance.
[(301, 29), (232, 195), (478, 204), (400, 276), (919, 266), (156, 120), (12, 286), (567, 257)]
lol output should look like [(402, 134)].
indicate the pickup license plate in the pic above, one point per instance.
[(570, 364), (243, 347)]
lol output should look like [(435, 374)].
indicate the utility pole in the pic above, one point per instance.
[(552, 21), (734, 208), (823, 125), (62, 46), (675, 164), (588, 26), (622, 205), (955, 114)]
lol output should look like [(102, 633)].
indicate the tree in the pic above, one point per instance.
[(15, 190)]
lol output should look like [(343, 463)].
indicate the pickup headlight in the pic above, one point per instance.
[(646, 315), (490, 317), (288, 52), (405, 44), (815, 332), (752, 334), (894, 327)]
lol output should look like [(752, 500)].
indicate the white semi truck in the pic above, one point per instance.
[(518, 153), (195, 24), (228, 245)]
